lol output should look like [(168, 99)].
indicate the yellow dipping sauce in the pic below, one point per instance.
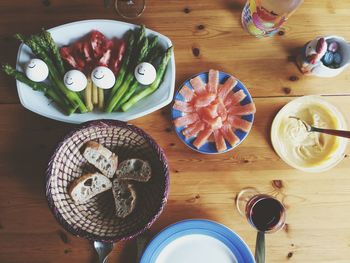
[(308, 150)]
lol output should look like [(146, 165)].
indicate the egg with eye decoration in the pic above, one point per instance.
[(75, 80), (103, 77), (145, 73), (36, 70)]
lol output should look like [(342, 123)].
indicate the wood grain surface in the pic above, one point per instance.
[(206, 34)]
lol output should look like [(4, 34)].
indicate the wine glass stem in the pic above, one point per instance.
[(260, 247)]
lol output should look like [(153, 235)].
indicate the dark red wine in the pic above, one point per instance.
[(265, 213)]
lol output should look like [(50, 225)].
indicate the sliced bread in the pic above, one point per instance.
[(124, 197), (102, 158), (134, 169), (87, 186)]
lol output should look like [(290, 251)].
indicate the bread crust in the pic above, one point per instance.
[(118, 187), (105, 153), (135, 170), (78, 181), (133, 194), (106, 185), (92, 144)]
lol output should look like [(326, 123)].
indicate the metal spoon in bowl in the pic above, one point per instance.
[(103, 249), (309, 128)]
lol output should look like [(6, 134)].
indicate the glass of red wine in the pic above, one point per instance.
[(264, 212), (130, 8)]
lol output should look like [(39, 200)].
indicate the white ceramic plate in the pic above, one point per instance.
[(65, 34), (197, 240)]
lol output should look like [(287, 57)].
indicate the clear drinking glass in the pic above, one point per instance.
[(130, 8), (264, 212), (264, 17)]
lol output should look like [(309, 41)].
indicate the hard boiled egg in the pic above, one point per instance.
[(103, 77), (145, 73), (36, 70), (75, 80)]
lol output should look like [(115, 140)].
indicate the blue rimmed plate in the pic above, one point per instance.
[(201, 241), (209, 147)]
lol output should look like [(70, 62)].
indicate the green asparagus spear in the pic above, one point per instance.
[(150, 89), (147, 48), (119, 94), (152, 46), (128, 79), (38, 86), (142, 34), (45, 48), (138, 45), (41, 42), (54, 51), (153, 52), (153, 57), (20, 37), (131, 90), (125, 62), (73, 97)]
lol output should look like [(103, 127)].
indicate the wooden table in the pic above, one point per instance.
[(206, 34)]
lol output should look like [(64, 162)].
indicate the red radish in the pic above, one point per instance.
[(226, 88), (313, 58), (321, 45), (106, 53), (187, 93), (238, 123), (219, 141), (202, 138), (66, 55), (229, 135), (242, 109), (320, 49), (183, 106), (234, 98), (198, 85), (186, 120), (104, 60), (213, 81), (79, 54), (98, 43), (92, 51), (87, 51), (117, 57)]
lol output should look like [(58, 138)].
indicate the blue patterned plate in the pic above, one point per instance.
[(201, 241), (209, 147)]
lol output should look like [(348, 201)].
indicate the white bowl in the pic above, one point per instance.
[(333, 159), (68, 33), (321, 70)]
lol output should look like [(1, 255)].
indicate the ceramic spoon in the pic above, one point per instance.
[(309, 128)]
